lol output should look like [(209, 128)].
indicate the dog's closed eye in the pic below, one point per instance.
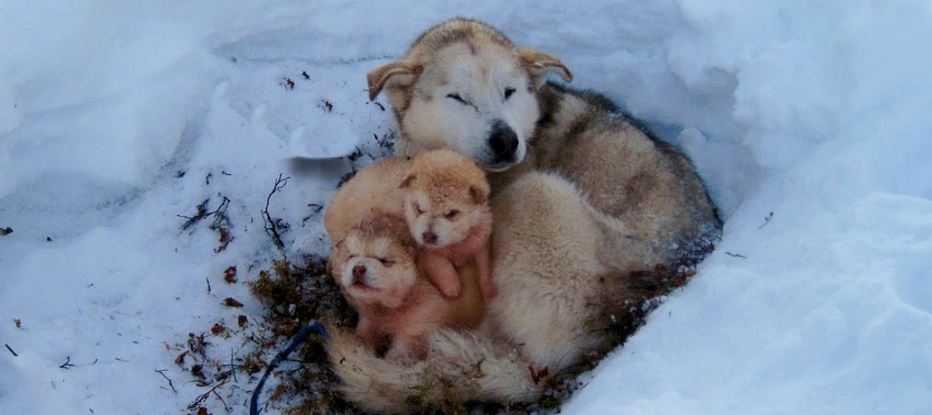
[(508, 92), (457, 98)]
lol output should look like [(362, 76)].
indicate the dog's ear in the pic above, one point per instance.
[(478, 195), (395, 73), (406, 183), (539, 64)]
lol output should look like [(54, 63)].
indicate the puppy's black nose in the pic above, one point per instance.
[(359, 271), (503, 141), (429, 237)]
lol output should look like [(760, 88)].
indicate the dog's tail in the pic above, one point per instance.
[(460, 367)]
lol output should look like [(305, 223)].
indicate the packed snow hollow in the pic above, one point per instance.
[(809, 121)]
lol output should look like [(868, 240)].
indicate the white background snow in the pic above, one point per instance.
[(820, 112)]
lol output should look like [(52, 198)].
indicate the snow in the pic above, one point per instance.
[(815, 111)]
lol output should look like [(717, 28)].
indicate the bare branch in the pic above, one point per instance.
[(204, 396), (272, 226), (198, 216), (170, 384)]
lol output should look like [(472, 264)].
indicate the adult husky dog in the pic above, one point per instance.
[(582, 197)]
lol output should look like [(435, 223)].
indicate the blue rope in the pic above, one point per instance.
[(313, 327)]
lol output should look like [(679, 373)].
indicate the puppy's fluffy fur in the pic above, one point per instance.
[(446, 206), (375, 266)]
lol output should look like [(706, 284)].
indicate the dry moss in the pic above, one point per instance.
[(295, 295)]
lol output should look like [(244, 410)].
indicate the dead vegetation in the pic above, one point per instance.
[(293, 296), (275, 226), (220, 221)]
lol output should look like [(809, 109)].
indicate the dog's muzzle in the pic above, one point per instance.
[(503, 141)]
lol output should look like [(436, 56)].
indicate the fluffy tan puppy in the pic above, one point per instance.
[(446, 206), (374, 189), (376, 268)]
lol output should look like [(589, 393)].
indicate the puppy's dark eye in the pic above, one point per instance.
[(508, 92), (457, 98), (452, 214), (387, 262), (417, 208)]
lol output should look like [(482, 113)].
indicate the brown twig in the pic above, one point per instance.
[(11, 350), (204, 396)]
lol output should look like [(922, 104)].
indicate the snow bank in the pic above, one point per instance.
[(827, 310), (116, 118)]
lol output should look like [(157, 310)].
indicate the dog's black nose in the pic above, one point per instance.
[(503, 141), (359, 271)]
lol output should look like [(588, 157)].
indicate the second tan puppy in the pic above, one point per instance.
[(375, 267), (373, 189), (446, 206)]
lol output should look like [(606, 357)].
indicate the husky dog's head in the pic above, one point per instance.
[(464, 86), (376, 262), (446, 197)]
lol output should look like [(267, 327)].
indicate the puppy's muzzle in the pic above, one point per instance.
[(359, 273)]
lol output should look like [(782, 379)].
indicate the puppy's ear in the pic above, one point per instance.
[(539, 64), (398, 73), (406, 183), (478, 195)]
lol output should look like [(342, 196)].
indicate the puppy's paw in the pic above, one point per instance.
[(451, 292)]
